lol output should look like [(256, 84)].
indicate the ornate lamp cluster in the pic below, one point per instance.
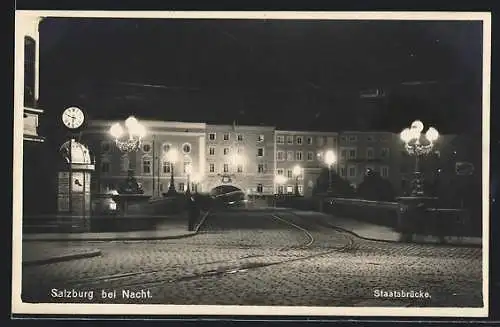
[(418, 144), (130, 138)]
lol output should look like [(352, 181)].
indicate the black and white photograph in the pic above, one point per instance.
[(234, 163)]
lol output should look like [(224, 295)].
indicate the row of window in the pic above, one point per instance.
[(147, 147), (352, 171), (299, 140), (347, 153), (261, 168), (227, 136), (289, 189), (227, 151)]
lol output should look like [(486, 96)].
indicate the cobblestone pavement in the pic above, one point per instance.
[(255, 258)]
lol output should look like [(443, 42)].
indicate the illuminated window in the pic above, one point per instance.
[(289, 189)]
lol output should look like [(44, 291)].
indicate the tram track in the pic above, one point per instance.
[(237, 265)]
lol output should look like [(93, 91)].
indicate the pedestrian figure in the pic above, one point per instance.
[(193, 213)]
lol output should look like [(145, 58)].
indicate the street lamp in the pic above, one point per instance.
[(135, 131), (189, 170), (297, 171), (330, 159), (418, 144), (171, 157)]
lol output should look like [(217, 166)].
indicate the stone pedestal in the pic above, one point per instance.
[(412, 213)]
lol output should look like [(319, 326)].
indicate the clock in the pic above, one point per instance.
[(73, 117)]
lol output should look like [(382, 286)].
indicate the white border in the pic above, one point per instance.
[(25, 18)]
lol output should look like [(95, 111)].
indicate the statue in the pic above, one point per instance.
[(131, 186)]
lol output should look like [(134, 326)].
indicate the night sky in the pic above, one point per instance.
[(289, 74)]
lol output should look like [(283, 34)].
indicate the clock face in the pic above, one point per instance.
[(73, 117)]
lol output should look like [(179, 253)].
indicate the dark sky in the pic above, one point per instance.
[(292, 74)]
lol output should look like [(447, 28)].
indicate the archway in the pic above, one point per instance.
[(228, 193)]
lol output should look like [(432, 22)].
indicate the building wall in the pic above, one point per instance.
[(249, 157), (242, 154), (304, 149), (149, 163)]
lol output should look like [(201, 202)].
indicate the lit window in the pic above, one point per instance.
[(289, 139), (225, 168), (240, 137), (298, 155), (280, 139), (260, 138), (299, 140), (289, 189), (226, 137), (280, 155), (211, 151), (310, 156), (211, 168), (260, 152), (211, 136)]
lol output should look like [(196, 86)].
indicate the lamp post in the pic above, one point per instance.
[(130, 138), (297, 170), (418, 144), (171, 158), (189, 169), (330, 159)]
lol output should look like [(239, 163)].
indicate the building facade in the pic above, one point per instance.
[(251, 157), (305, 150)]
